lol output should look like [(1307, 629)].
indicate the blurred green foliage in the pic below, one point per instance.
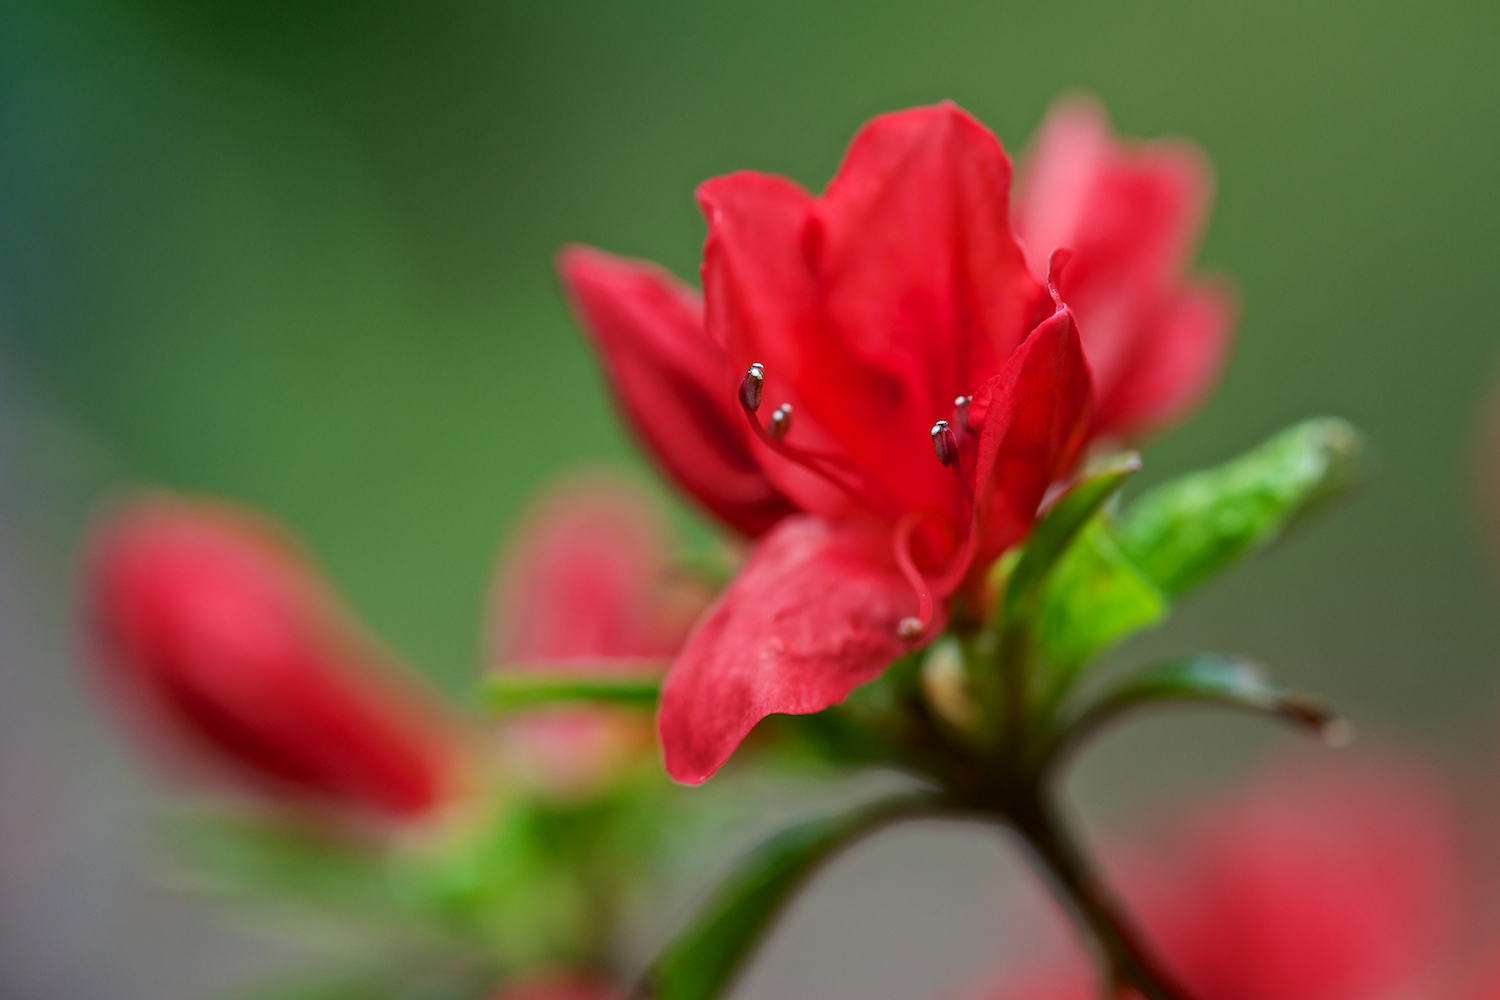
[(300, 253)]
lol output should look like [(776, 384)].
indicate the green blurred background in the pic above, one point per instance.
[(300, 254)]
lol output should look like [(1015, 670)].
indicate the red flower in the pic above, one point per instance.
[(1332, 886), (1131, 216), (865, 313), (231, 654), (587, 588)]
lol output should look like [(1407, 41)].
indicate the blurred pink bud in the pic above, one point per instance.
[(588, 579), (580, 986), (1338, 884), (1155, 337), (587, 587), (232, 656)]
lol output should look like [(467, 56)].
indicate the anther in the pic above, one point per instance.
[(835, 468), (944, 443), (961, 411), (910, 628), (751, 387), (781, 421)]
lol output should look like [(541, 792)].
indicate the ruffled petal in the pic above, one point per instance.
[(921, 273), (673, 383), (1033, 418), (923, 283), (813, 615)]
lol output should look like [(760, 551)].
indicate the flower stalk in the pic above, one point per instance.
[(1125, 959)]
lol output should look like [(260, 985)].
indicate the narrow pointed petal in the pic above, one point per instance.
[(1033, 418), (674, 384), (813, 615), (587, 579), (924, 282)]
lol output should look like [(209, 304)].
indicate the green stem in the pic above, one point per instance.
[(1128, 960)]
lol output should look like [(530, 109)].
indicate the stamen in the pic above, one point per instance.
[(781, 421), (909, 628), (961, 412), (945, 443), (752, 386), (836, 469)]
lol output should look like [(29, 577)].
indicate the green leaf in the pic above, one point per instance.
[(1210, 680), (1183, 531), (1053, 534), (524, 686), (1094, 598), (705, 956)]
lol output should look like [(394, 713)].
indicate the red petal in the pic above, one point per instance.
[(1057, 178), (924, 283), (761, 304), (1176, 368), (673, 383), (226, 645), (587, 578), (1132, 216), (915, 251), (812, 616), (1032, 418)]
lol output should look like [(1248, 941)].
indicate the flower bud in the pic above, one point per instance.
[(231, 655)]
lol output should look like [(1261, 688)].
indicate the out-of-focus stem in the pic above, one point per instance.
[(1126, 958)]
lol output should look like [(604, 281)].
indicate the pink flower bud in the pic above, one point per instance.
[(232, 657)]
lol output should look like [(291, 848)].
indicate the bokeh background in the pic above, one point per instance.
[(300, 254)]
